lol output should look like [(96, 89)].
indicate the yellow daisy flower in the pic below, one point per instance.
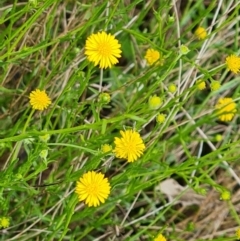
[(152, 56), (154, 102), (201, 85), (103, 49), (218, 137), (160, 118), (233, 63), (130, 146), (4, 222), (93, 188), (106, 148), (226, 108), (39, 100), (215, 85), (201, 33), (225, 195), (172, 88), (238, 233), (160, 237)]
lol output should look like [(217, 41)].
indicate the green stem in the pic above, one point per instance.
[(234, 213), (27, 122), (19, 144)]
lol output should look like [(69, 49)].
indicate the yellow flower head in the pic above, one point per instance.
[(39, 100), (172, 88), (160, 237), (130, 146), (154, 102), (238, 233), (201, 85), (226, 108), (152, 56), (93, 188), (106, 148), (4, 222), (233, 63), (218, 137), (201, 33), (102, 49), (160, 118), (215, 85), (225, 195)]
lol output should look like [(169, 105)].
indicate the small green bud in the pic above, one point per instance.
[(43, 154), (19, 176), (76, 50), (171, 19), (104, 98), (184, 50), (44, 138), (28, 141), (33, 3)]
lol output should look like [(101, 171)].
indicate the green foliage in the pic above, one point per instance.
[(42, 46)]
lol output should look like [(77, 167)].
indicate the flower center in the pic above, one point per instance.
[(104, 49), (154, 55), (129, 147), (92, 189), (235, 64)]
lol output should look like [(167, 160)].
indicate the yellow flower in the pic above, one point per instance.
[(4, 222), (106, 148), (238, 233), (172, 88), (201, 33), (225, 195), (233, 63), (93, 188), (218, 137), (130, 146), (152, 56), (160, 237), (215, 85), (103, 49), (226, 108), (39, 100), (161, 118), (154, 102), (201, 85)]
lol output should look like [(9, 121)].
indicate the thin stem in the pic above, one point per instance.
[(101, 79), (18, 145)]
